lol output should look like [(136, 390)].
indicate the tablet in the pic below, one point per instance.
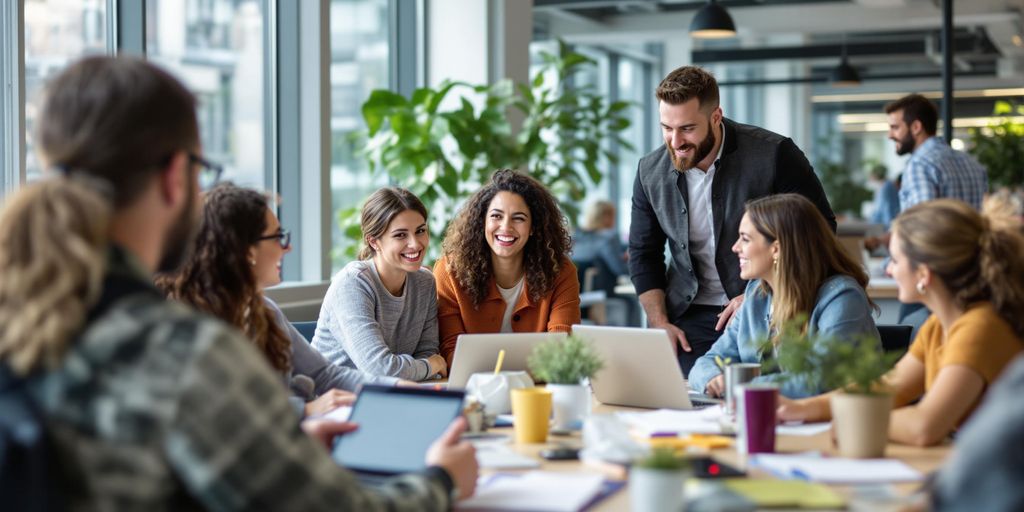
[(396, 427)]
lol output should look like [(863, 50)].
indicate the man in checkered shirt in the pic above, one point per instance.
[(933, 171)]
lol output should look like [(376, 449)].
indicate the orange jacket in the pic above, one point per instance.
[(455, 314)]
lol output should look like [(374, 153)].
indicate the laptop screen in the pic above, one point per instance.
[(396, 427)]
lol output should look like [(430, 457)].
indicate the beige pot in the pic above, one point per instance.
[(861, 424)]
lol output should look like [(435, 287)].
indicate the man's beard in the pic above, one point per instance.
[(180, 239), (699, 154), (905, 145)]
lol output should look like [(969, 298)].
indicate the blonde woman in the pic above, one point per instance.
[(967, 270), (795, 267)]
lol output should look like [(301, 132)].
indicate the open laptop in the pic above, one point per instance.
[(479, 352), (640, 368), (397, 425)]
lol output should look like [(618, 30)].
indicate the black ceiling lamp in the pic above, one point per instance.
[(712, 22), (845, 75)]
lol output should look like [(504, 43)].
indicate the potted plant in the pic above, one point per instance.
[(443, 150), (656, 481), (565, 364), (862, 403)]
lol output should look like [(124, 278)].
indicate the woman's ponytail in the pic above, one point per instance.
[(53, 253), (1001, 260)]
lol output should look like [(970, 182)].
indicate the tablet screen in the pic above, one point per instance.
[(396, 427)]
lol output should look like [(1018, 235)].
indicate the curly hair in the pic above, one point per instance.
[(218, 278), (469, 256)]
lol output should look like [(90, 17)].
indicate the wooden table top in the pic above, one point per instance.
[(925, 460)]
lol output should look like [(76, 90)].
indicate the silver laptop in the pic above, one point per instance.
[(479, 352), (640, 368)]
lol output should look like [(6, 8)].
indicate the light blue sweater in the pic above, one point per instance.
[(842, 311)]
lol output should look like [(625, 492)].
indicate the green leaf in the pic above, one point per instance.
[(378, 106), (565, 361)]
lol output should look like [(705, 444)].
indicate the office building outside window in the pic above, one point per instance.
[(360, 63), (56, 33), (216, 47)]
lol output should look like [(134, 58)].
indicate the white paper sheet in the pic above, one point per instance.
[(836, 470), (536, 490), (802, 429), (668, 421)]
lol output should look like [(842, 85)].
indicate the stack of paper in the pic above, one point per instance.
[(536, 490), (668, 421), (836, 470)]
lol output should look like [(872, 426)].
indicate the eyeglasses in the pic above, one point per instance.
[(284, 237), (209, 172)]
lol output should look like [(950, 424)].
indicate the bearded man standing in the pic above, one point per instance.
[(691, 195)]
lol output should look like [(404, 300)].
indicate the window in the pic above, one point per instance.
[(360, 63), (56, 33), (633, 86), (216, 48)]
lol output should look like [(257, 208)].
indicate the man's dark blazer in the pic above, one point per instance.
[(754, 163)]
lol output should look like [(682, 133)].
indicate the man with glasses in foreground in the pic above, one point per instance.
[(147, 404)]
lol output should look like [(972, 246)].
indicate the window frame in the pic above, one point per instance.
[(297, 129)]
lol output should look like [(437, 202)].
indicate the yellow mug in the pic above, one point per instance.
[(531, 412)]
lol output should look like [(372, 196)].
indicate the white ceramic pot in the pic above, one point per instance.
[(861, 424), (656, 490), (570, 404)]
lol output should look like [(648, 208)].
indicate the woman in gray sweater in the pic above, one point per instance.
[(238, 253), (380, 312)]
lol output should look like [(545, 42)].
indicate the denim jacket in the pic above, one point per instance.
[(842, 311)]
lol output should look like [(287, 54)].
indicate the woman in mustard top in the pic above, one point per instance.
[(967, 269)]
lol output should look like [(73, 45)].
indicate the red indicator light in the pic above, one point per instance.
[(713, 470)]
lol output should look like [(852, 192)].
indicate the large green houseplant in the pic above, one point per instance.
[(855, 368), (1000, 147), (444, 149)]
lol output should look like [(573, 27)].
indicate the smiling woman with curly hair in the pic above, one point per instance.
[(505, 265)]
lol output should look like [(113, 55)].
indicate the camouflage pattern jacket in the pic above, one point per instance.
[(157, 407)]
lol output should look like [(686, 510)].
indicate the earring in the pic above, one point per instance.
[(920, 288), (775, 262), (253, 262)]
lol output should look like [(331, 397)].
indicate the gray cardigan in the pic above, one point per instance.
[(363, 326)]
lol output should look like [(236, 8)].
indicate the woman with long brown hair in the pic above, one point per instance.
[(238, 253), (966, 268), (795, 268), (380, 312), (506, 266)]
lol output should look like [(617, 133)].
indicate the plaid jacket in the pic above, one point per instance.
[(157, 407), (936, 170)]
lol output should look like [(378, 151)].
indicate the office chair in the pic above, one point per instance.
[(895, 338), (306, 329)]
